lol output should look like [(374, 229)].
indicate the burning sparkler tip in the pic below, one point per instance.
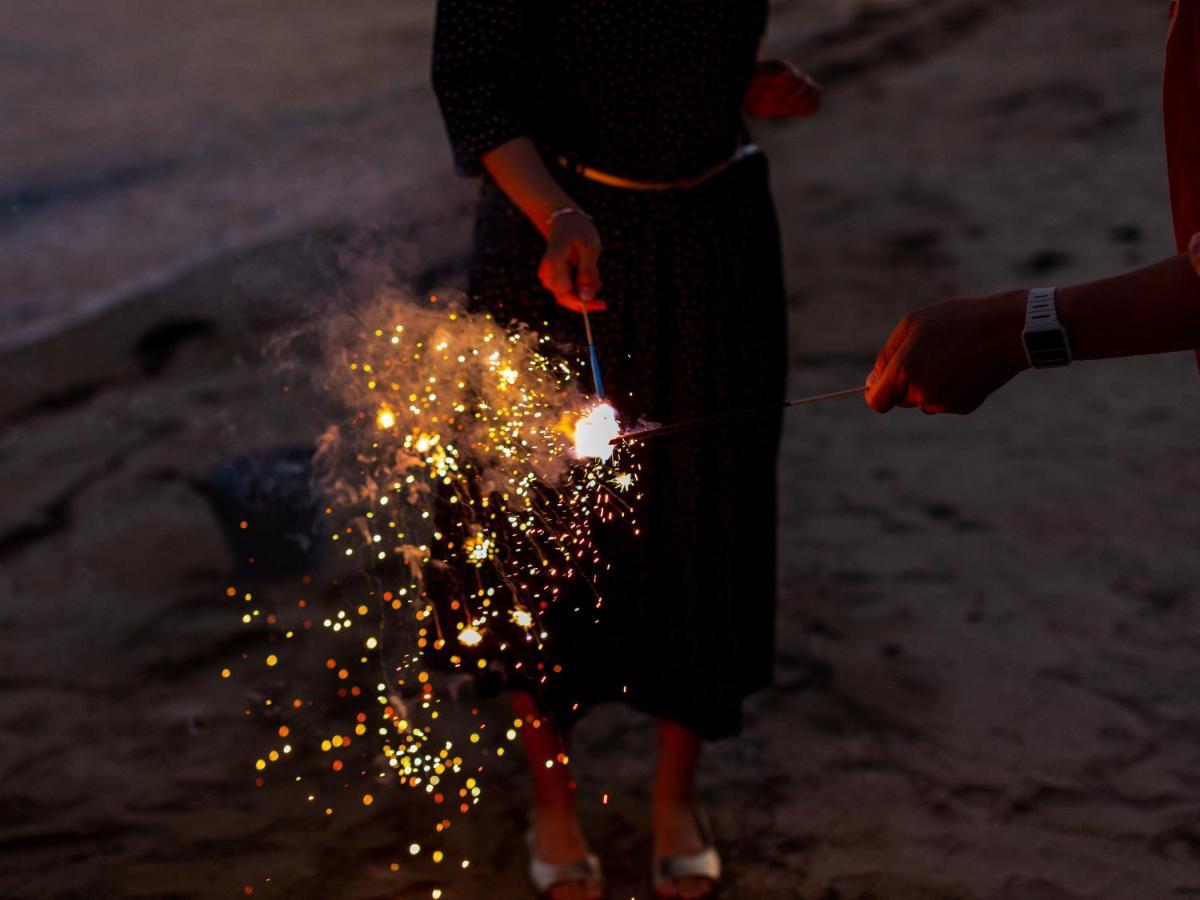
[(595, 432)]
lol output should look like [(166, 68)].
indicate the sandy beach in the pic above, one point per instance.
[(988, 626)]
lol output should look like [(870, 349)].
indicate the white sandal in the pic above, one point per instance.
[(546, 876), (706, 864)]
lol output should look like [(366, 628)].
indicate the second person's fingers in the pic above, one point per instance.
[(889, 388)]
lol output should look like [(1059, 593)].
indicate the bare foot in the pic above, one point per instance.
[(558, 839)]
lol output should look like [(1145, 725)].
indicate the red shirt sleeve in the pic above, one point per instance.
[(1181, 118)]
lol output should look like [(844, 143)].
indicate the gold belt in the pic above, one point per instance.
[(681, 184)]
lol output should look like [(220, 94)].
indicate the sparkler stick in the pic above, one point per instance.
[(587, 327), (719, 418)]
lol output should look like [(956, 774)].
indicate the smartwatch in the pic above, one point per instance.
[(1045, 339)]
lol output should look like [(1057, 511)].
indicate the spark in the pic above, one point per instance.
[(623, 481), (487, 467), (479, 549)]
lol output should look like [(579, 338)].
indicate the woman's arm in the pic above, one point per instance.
[(483, 51), (569, 270), (950, 356)]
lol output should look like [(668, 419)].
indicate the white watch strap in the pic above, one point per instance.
[(1041, 310), (1045, 339)]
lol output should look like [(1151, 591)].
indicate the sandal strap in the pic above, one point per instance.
[(546, 875), (705, 864)]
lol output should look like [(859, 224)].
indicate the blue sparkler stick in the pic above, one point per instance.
[(587, 327)]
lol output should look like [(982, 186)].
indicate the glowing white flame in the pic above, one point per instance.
[(469, 637), (595, 431)]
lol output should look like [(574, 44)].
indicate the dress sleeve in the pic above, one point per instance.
[(1194, 252), (480, 75)]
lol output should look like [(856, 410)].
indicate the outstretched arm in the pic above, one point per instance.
[(950, 356)]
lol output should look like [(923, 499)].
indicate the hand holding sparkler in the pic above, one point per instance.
[(579, 252), (596, 433), (570, 267), (949, 357)]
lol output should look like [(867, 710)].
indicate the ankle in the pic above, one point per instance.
[(556, 812), (677, 833), (669, 807), (558, 835)]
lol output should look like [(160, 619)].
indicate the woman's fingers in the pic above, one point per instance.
[(587, 273), (571, 267), (574, 304), (555, 274), (556, 278), (573, 276)]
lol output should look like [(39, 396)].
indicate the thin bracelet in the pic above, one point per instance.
[(562, 212)]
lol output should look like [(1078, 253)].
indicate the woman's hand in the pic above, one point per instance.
[(570, 268), (950, 356), (779, 90)]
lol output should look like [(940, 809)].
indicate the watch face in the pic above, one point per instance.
[(1044, 341), (1047, 347)]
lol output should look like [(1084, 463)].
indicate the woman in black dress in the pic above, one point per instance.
[(612, 140)]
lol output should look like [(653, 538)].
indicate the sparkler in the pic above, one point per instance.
[(720, 418), (595, 359), (468, 473), (469, 425), (595, 433)]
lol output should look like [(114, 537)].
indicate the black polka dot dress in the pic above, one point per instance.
[(648, 90)]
